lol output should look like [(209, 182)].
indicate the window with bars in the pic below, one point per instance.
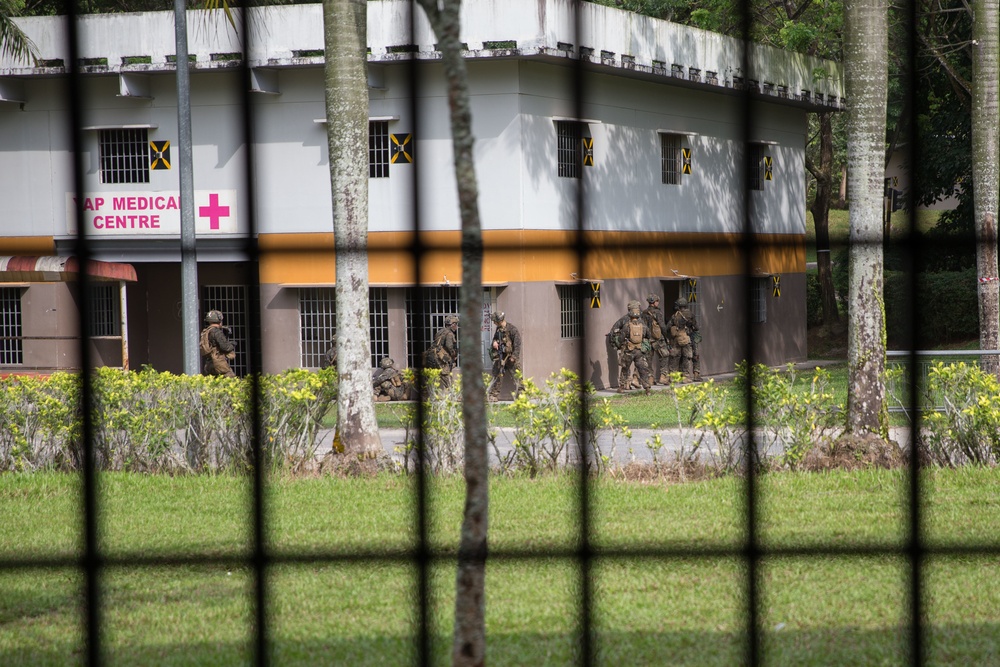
[(318, 323), (426, 308), (105, 310), (569, 148), (755, 179), (378, 149), (758, 299), (124, 155), (570, 311), (670, 158), (690, 291), (231, 301), (11, 345)]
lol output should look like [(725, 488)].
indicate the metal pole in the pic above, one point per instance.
[(123, 305), (189, 257)]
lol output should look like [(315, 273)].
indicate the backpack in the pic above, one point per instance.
[(654, 328), (635, 331), (204, 346)]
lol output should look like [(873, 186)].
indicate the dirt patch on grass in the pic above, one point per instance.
[(856, 452), (675, 472)]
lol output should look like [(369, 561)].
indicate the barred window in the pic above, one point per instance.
[(317, 323), (124, 155), (378, 149), (690, 291), (378, 317), (755, 178), (570, 311), (11, 346), (105, 310), (670, 158), (231, 301), (426, 308), (758, 300), (569, 151)]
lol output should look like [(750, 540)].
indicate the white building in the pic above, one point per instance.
[(659, 141)]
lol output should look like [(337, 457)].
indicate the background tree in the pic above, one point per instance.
[(345, 31), (14, 43), (469, 644), (865, 50), (986, 168)]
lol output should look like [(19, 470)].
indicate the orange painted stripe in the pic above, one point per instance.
[(28, 245), (527, 256)]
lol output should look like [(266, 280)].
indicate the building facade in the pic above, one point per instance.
[(616, 156)]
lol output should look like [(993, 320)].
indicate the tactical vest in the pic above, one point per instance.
[(204, 346), (654, 327)]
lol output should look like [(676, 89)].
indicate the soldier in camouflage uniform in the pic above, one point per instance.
[(443, 353), (388, 383), (215, 347), (505, 352), (329, 359), (659, 334), (630, 336), (683, 331)]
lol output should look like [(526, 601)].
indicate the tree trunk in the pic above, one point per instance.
[(345, 34), (986, 168), (865, 51), (823, 173), (469, 642)]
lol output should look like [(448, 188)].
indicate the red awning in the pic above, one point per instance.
[(51, 269)]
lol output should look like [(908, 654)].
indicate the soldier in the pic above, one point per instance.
[(388, 383), (659, 357), (630, 336), (329, 359), (683, 329), (506, 355), (215, 347), (443, 353)]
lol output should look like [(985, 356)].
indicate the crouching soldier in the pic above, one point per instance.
[(443, 353), (388, 383)]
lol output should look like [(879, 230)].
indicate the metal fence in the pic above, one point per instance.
[(259, 559)]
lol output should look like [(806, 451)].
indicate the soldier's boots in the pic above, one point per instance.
[(664, 379)]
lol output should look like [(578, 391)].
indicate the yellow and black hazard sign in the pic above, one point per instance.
[(588, 151), (685, 160), (402, 148), (159, 155), (776, 285), (693, 292), (595, 295), (768, 168)]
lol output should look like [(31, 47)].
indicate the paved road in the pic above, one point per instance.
[(640, 447)]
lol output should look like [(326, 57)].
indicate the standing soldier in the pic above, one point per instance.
[(443, 353), (388, 383), (659, 356), (683, 329), (630, 336), (215, 347), (506, 355)]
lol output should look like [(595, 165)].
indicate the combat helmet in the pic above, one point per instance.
[(386, 362), (450, 319), (214, 317), (652, 298), (680, 303), (499, 317), (634, 307)]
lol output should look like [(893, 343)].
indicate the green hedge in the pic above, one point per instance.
[(949, 304), (149, 421)]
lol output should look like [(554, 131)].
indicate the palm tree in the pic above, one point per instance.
[(14, 43)]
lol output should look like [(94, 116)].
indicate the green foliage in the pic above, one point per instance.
[(549, 421), (793, 417), (159, 422), (814, 300), (443, 426), (967, 427), (708, 409)]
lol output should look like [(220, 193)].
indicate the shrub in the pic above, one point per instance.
[(967, 428)]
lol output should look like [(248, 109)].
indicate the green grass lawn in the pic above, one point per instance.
[(647, 609)]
